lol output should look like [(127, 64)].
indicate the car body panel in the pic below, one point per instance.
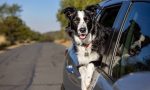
[(73, 55), (68, 82), (138, 81), (102, 83)]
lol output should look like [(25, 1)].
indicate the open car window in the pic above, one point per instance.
[(108, 16), (107, 19)]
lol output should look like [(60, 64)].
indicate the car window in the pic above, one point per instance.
[(107, 19), (133, 54), (108, 16)]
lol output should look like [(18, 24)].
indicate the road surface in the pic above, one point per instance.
[(32, 67)]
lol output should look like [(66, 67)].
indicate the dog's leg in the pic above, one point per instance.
[(82, 71), (89, 74)]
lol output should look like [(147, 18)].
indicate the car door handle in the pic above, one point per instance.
[(70, 69)]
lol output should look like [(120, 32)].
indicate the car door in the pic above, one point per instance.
[(131, 71), (71, 77), (111, 17)]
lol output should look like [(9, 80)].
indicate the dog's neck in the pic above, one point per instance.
[(84, 45)]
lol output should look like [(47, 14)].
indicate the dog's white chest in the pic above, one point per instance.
[(86, 55), (85, 51)]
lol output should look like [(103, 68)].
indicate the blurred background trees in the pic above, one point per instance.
[(13, 28)]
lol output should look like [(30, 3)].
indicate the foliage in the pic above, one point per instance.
[(3, 46), (51, 36), (9, 10), (13, 27)]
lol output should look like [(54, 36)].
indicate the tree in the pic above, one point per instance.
[(14, 10), (13, 23), (8, 17), (3, 11), (79, 4), (3, 28), (13, 27), (9, 10)]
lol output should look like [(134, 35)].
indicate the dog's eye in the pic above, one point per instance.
[(76, 20), (86, 19)]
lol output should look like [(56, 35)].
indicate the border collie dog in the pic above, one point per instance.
[(88, 40)]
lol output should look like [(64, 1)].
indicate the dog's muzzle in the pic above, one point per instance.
[(83, 30), (83, 33)]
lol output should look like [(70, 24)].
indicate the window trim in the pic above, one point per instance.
[(98, 18), (107, 7), (125, 5), (118, 38)]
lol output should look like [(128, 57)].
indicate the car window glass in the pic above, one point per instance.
[(107, 19), (133, 53)]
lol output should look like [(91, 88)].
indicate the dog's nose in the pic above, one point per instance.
[(82, 30)]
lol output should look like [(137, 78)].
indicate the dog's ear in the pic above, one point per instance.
[(69, 12), (92, 9)]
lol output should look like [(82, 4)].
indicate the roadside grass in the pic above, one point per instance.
[(63, 42)]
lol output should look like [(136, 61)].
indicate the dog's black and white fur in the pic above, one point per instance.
[(88, 41)]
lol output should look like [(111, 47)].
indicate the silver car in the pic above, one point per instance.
[(129, 72)]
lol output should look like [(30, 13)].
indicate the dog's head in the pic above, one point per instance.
[(80, 21)]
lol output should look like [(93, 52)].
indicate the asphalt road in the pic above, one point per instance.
[(32, 67)]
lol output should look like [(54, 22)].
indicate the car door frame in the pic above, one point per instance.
[(105, 81)]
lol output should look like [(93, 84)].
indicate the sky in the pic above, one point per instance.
[(39, 15)]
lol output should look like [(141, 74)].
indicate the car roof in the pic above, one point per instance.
[(122, 0), (111, 2)]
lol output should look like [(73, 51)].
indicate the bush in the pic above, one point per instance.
[(3, 46), (46, 38)]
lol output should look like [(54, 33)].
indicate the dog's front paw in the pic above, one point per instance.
[(89, 74), (88, 81)]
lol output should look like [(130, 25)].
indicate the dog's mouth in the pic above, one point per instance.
[(82, 36)]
